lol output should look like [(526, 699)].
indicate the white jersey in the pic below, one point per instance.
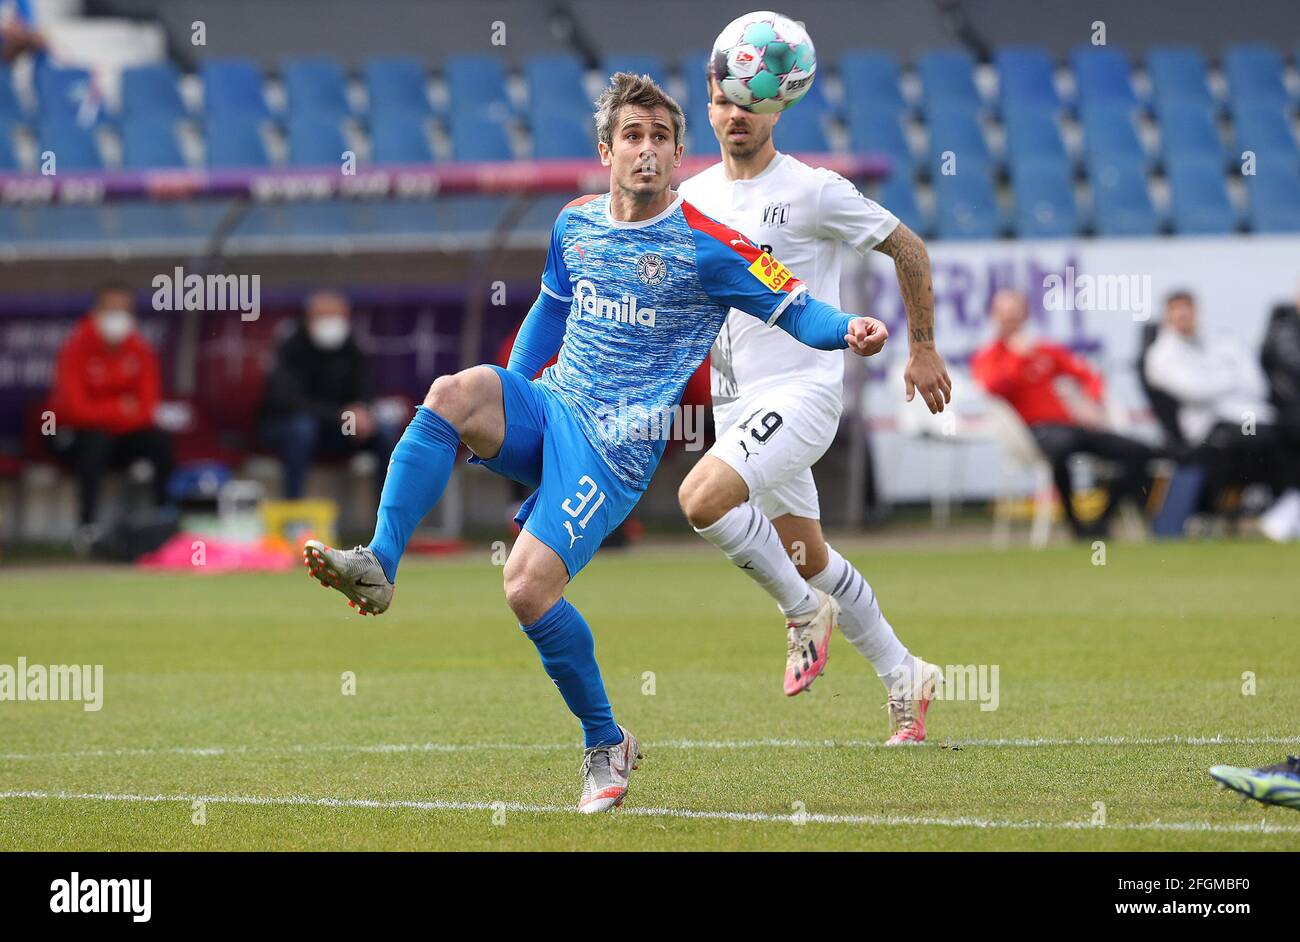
[(801, 215)]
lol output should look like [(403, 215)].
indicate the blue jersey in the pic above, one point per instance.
[(647, 300)]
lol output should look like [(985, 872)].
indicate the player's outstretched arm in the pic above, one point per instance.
[(825, 327), (925, 371), (540, 336)]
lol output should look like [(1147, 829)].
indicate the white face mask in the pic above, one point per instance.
[(115, 325), (329, 333)]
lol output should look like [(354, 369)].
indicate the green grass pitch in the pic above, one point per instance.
[(230, 688)]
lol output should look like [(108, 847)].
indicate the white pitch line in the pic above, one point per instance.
[(758, 817), (684, 744)]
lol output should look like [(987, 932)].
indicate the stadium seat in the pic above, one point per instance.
[(235, 140), (148, 143), (1045, 205), (958, 130), (800, 129), (1199, 202), (967, 206), (699, 134), (74, 147), (152, 92), (1025, 78), (67, 95), (233, 87), (899, 197), (396, 138), (1254, 72), (316, 86), (11, 109), (637, 64), (476, 85), (1033, 137), (1102, 76), (475, 137), (564, 134), (1275, 197), (875, 130), (1109, 136), (948, 80), (315, 140), (1265, 130), (396, 86), (1187, 130), (870, 76), (555, 83), (1179, 76), (1121, 203)]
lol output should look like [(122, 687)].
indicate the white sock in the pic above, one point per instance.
[(751, 542), (861, 620)]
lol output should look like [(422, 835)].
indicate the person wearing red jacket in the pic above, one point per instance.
[(106, 388), (1026, 372)]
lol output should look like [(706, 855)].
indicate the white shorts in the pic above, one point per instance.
[(772, 439)]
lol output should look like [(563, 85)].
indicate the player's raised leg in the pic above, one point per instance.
[(715, 500), (911, 682), (466, 406), (535, 578)]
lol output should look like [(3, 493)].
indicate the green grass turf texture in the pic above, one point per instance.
[(1152, 644)]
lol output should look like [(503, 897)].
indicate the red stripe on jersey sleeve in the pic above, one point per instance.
[(724, 234), (580, 200)]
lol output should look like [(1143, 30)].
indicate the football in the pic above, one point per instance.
[(764, 62)]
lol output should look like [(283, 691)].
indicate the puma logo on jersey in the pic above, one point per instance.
[(624, 311), (771, 272), (573, 537)]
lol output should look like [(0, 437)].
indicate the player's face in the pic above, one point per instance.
[(1008, 311), (741, 133), (643, 152)]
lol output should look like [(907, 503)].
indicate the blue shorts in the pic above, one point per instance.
[(578, 500)]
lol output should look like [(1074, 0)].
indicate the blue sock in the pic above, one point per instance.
[(569, 656), (417, 476)]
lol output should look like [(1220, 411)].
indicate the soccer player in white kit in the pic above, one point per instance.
[(777, 405)]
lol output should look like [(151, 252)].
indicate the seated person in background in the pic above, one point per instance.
[(1223, 405), (319, 375), (1024, 370), (106, 388)]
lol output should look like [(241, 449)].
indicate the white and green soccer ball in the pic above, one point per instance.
[(764, 62)]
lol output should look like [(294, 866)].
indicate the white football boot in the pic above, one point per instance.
[(605, 774), (808, 645), (909, 703), (355, 572)]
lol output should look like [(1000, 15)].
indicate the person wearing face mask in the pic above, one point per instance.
[(317, 394), (106, 388)]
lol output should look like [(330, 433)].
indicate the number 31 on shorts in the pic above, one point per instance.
[(587, 490)]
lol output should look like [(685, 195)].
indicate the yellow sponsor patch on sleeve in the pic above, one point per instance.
[(771, 272)]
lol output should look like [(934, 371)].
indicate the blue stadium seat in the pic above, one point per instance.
[(800, 129), (1121, 203), (958, 130), (233, 87), (564, 134), (67, 95), (555, 84), (316, 86), (1275, 198), (475, 137), (315, 140), (899, 197), (1025, 78), (396, 85), (1199, 202), (948, 80), (638, 64), (1187, 130), (152, 92), (1109, 136), (476, 85), (967, 206), (1179, 75), (1264, 129), (875, 130), (872, 76), (1102, 76), (699, 134), (396, 137), (74, 147), (1254, 73), (11, 109), (1033, 137), (235, 140), (150, 144), (1045, 206)]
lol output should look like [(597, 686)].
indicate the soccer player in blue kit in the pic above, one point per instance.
[(636, 287)]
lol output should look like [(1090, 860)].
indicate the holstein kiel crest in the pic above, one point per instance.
[(652, 269)]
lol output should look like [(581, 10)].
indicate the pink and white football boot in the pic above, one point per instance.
[(808, 645), (909, 703)]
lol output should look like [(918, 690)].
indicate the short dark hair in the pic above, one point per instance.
[(113, 286), (1181, 294), (627, 89)]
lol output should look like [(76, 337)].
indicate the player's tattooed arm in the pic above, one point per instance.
[(912, 263), (925, 371)]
